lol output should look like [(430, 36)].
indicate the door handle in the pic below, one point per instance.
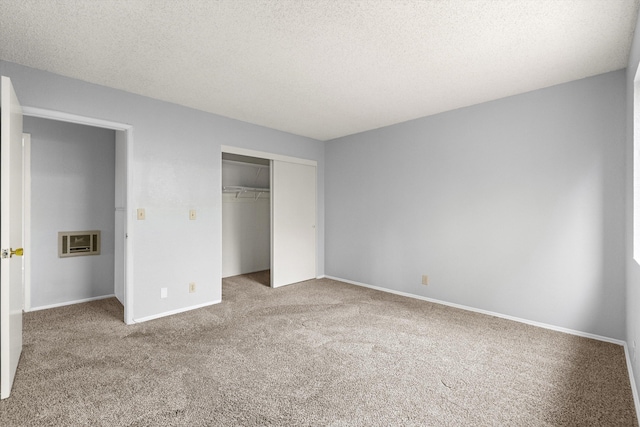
[(8, 253)]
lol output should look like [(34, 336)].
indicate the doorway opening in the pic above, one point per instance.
[(246, 216), (76, 179)]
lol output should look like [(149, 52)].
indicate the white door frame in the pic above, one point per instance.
[(270, 156), (128, 129), (264, 155), (26, 220)]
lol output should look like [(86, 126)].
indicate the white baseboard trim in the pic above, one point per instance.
[(634, 389), (489, 313), (62, 304), (177, 311)]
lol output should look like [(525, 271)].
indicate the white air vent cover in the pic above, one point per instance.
[(77, 243)]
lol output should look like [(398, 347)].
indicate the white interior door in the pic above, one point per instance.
[(293, 222), (10, 236)]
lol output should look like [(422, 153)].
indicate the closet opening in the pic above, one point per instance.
[(246, 216), (277, 233)]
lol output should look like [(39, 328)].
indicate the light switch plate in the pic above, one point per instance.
[(192, 214), (141, 214)]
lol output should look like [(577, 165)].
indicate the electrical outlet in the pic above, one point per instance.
[(163, 292), (425, 279), (192, 287), (141, 214)]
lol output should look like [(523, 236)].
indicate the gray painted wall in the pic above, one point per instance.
[(633, 269), (246, 228), (72, 188), (176, 167), (514, 206)]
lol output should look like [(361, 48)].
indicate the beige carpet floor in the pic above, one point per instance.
[(311, 354)]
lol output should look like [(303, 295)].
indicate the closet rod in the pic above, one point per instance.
[(238, 189)]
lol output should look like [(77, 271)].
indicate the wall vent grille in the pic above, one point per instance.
[(78, 243)]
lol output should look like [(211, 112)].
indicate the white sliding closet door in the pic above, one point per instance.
[(293, 222)]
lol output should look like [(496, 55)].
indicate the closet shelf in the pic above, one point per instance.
[(238, 190)]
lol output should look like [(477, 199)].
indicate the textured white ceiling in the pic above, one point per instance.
[(322, 68)]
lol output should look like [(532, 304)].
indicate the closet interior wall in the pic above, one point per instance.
[(246, 215)]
